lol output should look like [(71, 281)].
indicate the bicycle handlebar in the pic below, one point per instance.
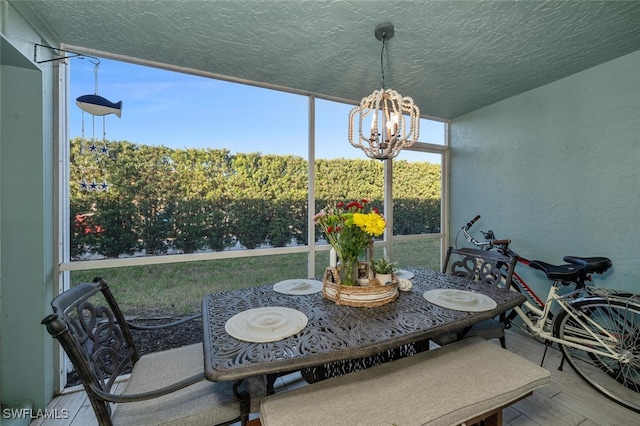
[(471, 222), (470, 238), (486, 245)]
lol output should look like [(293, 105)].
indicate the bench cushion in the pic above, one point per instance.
[(446, 386)]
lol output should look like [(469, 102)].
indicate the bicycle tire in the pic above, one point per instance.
[(618, 381)]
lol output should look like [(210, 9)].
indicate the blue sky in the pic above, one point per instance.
[(184, 111)]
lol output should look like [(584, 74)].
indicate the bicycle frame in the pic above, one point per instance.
[(523, 286), (540, 328)]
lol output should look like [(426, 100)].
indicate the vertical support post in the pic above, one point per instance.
[(388, 208), (311, 189)]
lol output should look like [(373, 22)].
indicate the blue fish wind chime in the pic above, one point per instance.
[(96, 106)]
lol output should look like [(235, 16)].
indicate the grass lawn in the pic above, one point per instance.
[(178, 288)]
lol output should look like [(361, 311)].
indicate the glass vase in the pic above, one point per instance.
[(349, 271)]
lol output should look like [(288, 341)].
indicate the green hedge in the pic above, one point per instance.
[(161, 199)]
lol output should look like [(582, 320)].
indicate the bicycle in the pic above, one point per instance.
[(597, 329)]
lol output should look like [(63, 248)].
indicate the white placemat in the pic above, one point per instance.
[(402, 273), (298, 287), (268, 324), (460, 300)]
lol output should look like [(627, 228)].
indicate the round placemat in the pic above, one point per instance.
[(298, 287), (402, 273), (460, 300), (268, 324)]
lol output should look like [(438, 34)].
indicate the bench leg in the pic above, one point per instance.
[(493, 417), (490, 418)]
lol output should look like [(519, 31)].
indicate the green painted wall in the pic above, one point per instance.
[(556, 169), (27, 258)]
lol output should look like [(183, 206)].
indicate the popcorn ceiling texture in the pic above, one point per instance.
[(452, 57)]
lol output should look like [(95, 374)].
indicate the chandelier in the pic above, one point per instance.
[(394, 119)]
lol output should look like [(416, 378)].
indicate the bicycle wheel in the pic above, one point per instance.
[(617, 379)]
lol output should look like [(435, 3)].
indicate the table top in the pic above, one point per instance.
[(334, 332)]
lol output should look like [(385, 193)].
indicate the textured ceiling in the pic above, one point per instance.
[(452, 57)]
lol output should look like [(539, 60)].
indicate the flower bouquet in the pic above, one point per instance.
[(350, 229)]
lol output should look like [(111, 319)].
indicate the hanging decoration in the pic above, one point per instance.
[(394, 119), (96, 105), (92, 104)]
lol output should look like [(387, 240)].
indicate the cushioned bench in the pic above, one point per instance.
[(464, 382)]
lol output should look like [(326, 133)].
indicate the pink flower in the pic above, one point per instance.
[(318, 216)]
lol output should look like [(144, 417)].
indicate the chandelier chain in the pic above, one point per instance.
[(384, 40)]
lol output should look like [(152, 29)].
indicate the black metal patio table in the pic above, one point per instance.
[(335, 332)]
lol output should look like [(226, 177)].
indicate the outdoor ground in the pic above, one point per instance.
[(167, 338)]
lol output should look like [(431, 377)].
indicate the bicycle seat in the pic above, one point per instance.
[(590, 264), (565, 273)]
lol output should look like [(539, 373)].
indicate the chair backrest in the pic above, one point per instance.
[(479, 265), (94, 334)]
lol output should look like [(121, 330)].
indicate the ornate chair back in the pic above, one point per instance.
[(479, 265), (487, 267), (95, 337)]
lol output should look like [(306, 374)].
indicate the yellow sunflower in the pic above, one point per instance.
[(371, 223)]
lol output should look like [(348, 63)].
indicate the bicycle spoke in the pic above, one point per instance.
[(607, 326)]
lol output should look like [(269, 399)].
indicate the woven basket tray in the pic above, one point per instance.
[(364, 297)]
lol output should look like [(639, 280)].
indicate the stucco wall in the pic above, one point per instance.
[(27, 264), (556, 169)]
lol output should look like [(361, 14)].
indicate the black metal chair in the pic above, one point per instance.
[(484, 266), (165, 387)]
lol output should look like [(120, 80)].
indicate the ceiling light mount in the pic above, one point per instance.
[(384, 31), (394, 119)]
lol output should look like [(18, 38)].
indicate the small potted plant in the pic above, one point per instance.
[(384, 270)]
